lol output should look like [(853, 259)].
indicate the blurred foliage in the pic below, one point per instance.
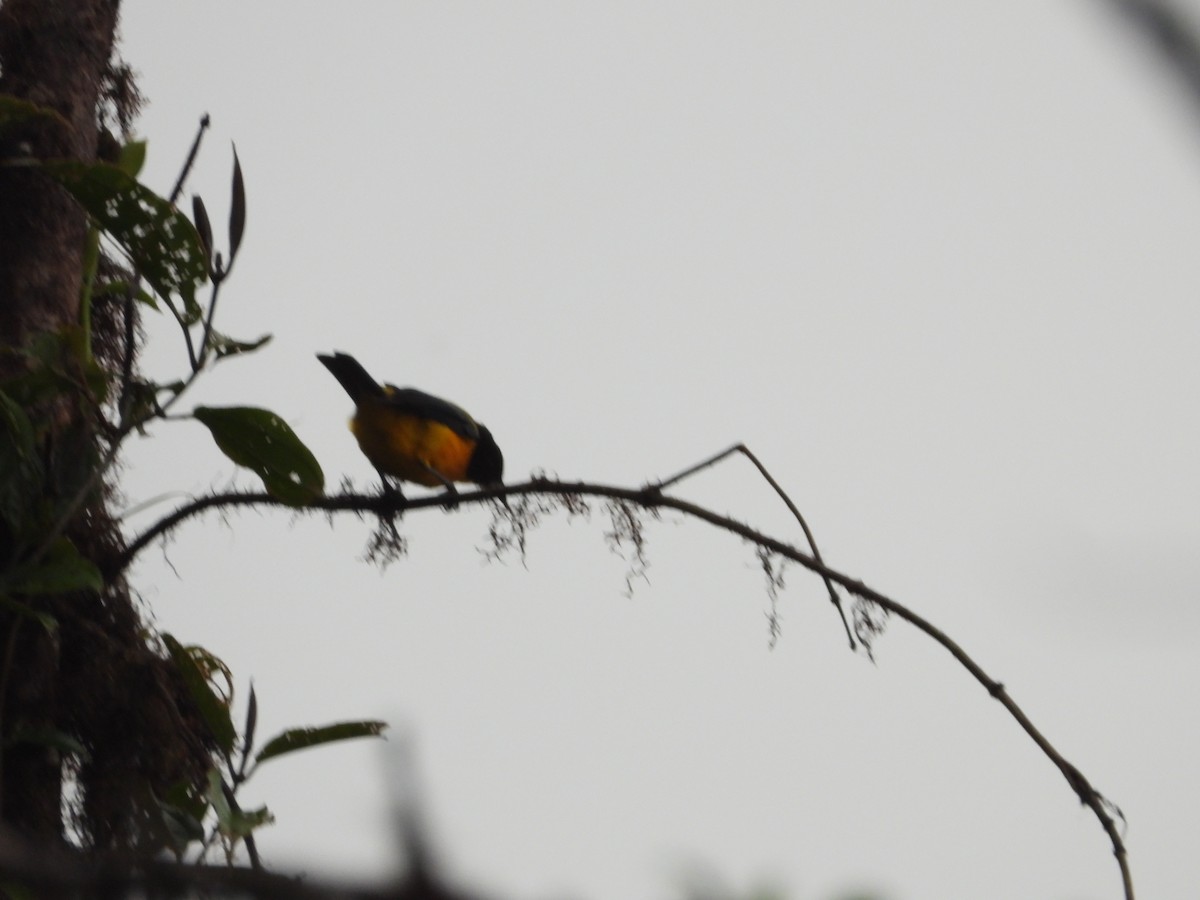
[(143, 254)]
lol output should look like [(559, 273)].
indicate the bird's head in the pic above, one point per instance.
[(487, 462)]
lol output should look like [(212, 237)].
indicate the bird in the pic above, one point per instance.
[(414, 436)]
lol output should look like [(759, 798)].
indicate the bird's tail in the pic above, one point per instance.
[(351, 375)]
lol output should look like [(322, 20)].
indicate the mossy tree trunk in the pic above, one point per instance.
[(53, 53), (93, 698)]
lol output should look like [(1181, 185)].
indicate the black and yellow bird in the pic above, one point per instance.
[(414, 436)]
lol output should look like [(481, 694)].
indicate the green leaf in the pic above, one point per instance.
[(188, 797), (161, 241), (45, 736), (20, 467), (213, 709), (223, 345), (60, 570), (58, 363), (234, 823), (302, 738), (237, 209), (15, 891), (183, 809), (13, 111), (182, 827), (244, 821), (17, 425), (203, 228), (50, 356), (120, 288), (216, 794), (46, 620), (133, 157), (91, 259), (262, 442), (249, 728)]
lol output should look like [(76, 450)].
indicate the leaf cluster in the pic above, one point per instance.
[(188, 807), (66, 410)]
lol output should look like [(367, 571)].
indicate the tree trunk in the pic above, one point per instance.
[(53, 53)]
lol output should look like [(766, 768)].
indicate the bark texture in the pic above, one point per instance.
[(99, 678)]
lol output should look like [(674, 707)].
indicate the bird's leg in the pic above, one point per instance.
[(389, 490), (450, 498)]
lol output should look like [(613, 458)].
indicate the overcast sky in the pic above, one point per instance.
[(935, 262)]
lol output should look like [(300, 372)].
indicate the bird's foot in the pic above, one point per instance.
[(391, 491)]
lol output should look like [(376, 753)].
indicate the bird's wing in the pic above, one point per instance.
[(410, 401)]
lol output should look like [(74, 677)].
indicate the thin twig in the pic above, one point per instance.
[(248, 838), (190, 161), (808, 535), (193, 358), (136, 279), (217, 279), (698, 467), (129, 301)]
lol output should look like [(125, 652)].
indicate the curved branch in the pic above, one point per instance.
[(660, 486), (652, 498)]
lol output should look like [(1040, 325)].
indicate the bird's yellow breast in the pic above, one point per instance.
[(403, 445)]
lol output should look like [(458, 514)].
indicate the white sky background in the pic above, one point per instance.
[(934, 262)]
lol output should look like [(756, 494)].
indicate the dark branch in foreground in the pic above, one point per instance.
[(1171, 34), (389, 506), (56, 872)]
